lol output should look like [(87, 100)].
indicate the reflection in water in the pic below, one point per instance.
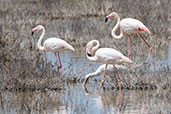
[(163, 61), (169, 56), (74, 100)]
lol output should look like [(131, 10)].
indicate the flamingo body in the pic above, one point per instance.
[(130, 25), (55, 45), (105, 55), (110, 56)]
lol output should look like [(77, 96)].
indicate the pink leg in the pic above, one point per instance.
[(129, 39), (150, 52), (59, 61), (118, 78), (103, 78)]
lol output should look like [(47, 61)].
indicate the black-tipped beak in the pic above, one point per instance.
[(106, 19), (89, 54), (32, 33)]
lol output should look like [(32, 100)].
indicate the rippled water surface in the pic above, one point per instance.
[(74, 99)]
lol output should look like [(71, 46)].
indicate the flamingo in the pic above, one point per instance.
[(101, 69), (55, 45), (128, 26), (106, 56)]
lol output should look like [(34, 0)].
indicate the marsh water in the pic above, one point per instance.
[(29, 86), (74, 99)]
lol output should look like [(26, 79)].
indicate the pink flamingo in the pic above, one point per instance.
[(128, 26), (55, 45), (107, 56)]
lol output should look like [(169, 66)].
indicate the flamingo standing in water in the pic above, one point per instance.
[(110, 69), (128, 26), (107, 56), (55, 45)]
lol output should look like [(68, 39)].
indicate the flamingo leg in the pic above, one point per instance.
[(60, 65), (103, 78), (57, 61), (150, 52), (118, 78), (129, 39)]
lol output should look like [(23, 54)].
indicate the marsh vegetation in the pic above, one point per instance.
[(29, 82)]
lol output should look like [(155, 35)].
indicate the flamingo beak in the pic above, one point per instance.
[(34, 30), (106, 19), (32, 33), (88, 50)]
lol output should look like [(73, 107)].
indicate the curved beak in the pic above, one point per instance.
[(106, 19), (34, 30), (88, 51)]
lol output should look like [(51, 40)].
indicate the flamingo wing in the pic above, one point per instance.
[(108, 55), (57, 45), (130, 25)]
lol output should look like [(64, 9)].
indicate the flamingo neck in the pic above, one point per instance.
[(95, 47), (113, 32), (93, 74), (93, 50), (39, 44)]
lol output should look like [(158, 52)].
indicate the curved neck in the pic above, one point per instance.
[(113, 32), (93, 50), (95, 47), (39, 44), (93, 74)]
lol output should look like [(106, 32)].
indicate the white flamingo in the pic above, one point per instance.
[(55, 45), (128, 26), (101, 69), (107, 56)]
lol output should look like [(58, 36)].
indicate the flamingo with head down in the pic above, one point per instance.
[(128, 26), (110, 69), (107, 56), (55, 45)]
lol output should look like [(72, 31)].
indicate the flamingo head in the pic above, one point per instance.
[(88, 50), (90, 47), (38, 27), (113, 14)]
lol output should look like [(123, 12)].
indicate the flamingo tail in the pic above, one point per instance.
[(126, 59), (144, 29)]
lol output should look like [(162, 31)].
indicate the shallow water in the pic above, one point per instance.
[(74, 100), (80, 62)]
